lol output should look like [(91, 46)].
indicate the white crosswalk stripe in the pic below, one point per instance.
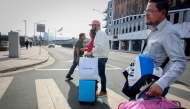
[(186, 88), (112, 99), (49, 95), (4, 84)]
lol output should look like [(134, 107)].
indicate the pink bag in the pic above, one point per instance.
[(156, 103)]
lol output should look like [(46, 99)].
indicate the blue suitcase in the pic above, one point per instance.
[(87, 91)]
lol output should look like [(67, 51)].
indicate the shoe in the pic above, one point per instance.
[(69, 78), (101, 94)]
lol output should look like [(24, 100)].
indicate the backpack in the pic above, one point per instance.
[(141, 74)]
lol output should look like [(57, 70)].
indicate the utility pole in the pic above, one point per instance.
[(25, 28), (55, 37)]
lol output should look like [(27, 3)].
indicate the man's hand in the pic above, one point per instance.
[(82, 49), (77, 60), (155, 90), (88, 54)]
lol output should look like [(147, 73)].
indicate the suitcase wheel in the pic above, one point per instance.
[(80, 102)]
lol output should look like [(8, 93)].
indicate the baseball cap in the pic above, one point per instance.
[(95, 22)]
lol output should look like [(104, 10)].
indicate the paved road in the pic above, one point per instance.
[(46, 87)]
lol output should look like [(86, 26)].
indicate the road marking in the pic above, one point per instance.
[(49, 96), (113, 66), (75, 69), (182, 87), (4, 84), (70, 61), (113, 99), (184, 103)]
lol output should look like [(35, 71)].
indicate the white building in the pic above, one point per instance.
[(125, 23)]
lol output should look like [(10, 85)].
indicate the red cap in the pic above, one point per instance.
[(95, 22)]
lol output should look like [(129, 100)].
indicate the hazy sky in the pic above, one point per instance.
[(73, 15)]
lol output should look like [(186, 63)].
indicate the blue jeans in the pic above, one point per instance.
[(73, 66), (149, 97), (101, 70)]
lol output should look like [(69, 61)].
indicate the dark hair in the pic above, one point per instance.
[(161, 4), (81, 34), (93, 33)]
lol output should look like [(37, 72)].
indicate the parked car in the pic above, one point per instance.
[(51, 44)]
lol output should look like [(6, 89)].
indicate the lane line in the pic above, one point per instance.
[(49, 95), (4, 84), (113, 66), (112, 99), (182, 87), (184, 103), (70, 61), (69, 69)]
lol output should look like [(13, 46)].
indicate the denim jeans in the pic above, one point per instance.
[(101, 70), (73, 66), (149, 97)]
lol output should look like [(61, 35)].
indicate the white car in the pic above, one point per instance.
[(51, 44)]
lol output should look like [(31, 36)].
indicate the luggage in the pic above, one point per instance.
[(155, 103), (87, 91)]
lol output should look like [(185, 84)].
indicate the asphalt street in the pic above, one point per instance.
[(22, 91)]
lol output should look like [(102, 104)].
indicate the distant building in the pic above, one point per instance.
[(126, 28), (22, 39)]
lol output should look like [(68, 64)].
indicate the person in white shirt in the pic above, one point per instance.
[(101, 51)]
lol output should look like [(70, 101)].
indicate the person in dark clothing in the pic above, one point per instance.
[(30, 43), (26, 43), (77, 54)]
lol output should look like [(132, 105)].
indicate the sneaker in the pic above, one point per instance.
[(101, 94), (69, 78)]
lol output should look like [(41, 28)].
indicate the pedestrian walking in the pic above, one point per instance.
[(163, 41), (26, 43), (30, 44), (89, 46), (77, 54), (101, 51)]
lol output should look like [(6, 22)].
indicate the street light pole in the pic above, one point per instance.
[(49, 30), (55, 37), (25, 27), (99, 12)]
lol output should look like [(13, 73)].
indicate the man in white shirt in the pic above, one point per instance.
[(101, 51)]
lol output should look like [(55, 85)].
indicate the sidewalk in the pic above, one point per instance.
[(27, 58)]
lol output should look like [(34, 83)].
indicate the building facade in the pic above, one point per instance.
[(126, 27)]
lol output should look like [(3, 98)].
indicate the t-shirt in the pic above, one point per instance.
[(79, 44), (90, 45)]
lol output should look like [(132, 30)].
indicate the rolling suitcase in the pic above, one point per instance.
[(87, 91)]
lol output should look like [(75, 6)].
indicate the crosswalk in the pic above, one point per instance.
[(49, 95)]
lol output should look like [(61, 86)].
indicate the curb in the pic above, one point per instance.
[(25, 66)]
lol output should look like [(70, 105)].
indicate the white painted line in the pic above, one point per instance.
[(113, 99), (113, 66), (57, 97), (4, 84), (49, 96), (75, 69), (182, 87), (184, 103), (70, 61), (54, 69), (43, 96)]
